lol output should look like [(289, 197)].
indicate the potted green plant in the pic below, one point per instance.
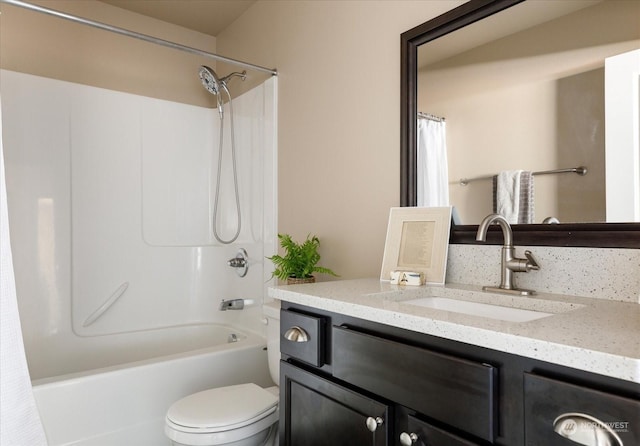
[(300, 260)]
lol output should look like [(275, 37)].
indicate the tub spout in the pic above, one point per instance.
[(233, 304)]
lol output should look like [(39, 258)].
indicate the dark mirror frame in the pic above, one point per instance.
[(603, 235)]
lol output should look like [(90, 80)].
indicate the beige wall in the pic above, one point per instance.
[(48, 46), (339, 113)]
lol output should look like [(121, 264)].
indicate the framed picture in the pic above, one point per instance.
[(418, 241)]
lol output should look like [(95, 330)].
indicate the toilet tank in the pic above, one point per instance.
[(272, 318)]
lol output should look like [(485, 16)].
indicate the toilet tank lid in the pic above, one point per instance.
[(223, 408)]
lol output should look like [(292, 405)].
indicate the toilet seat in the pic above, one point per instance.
[(222, 415)]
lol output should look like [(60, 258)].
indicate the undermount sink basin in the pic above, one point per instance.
[(479, 309)]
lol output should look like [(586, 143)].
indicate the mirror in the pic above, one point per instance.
[(456, 81)]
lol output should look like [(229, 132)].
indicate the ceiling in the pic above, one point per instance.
[(514, 19), (206, 16)]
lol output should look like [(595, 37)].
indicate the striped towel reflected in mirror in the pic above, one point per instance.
[(513, 196)]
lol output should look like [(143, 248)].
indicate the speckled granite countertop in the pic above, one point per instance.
[(595, 335)]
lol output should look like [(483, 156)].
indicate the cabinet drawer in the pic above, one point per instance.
[(428, 435), (454, 391), (559, 413), (310, 345)]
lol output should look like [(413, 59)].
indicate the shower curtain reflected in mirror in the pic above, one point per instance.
[(432, 169)]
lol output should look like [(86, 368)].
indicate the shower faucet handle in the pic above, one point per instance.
[(237, 262), (240, 261)]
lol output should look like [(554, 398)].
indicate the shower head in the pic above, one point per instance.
[(213, 83), (210, 80)]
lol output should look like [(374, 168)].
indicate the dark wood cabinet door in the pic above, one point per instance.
[(319, 412)]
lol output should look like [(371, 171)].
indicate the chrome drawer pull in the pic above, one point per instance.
[(373, 423), (408, 439), (585, 429), (296, 334)]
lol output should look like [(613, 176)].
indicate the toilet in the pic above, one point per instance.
[(238, 415)]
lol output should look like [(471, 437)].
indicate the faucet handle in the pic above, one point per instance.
[(241, 262), (532, 263)]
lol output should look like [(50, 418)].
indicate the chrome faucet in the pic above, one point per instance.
[(510, 263), (232, 304), (240, 262)]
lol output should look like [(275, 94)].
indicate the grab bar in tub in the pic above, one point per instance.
[(106, 305)]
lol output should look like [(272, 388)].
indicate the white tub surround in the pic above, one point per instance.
[(110, 200), (594, 335), (19, 419)]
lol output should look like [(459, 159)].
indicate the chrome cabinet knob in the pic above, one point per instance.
[(408, 439), (296, 334), (373, 423)]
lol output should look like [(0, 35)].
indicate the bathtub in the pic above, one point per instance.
[(118, 393)]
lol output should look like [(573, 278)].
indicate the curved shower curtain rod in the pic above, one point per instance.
[(139, 36)]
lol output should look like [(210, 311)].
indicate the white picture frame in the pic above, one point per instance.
[(417, 240)]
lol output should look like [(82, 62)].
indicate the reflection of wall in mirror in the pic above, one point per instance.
[(503, 114), (622, 111)]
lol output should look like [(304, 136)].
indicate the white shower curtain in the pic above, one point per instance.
[(433, 169), (19, 419)]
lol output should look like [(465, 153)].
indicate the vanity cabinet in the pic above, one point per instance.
[(350, 381)]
